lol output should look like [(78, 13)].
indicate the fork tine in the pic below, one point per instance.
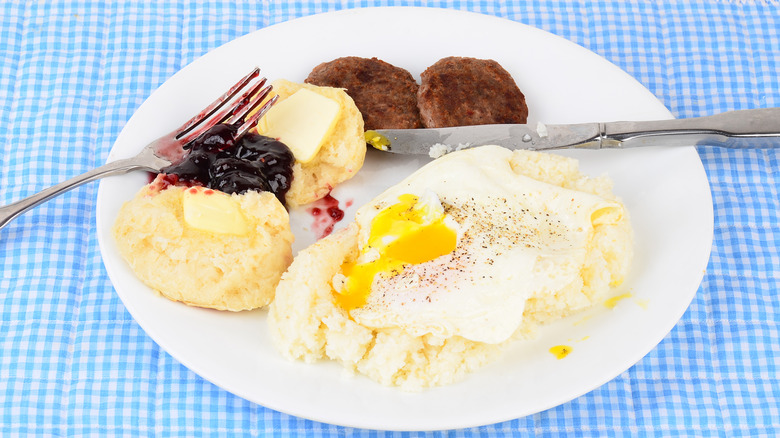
[(253, 118), (239, 101), (237, 115), (217, 104), (257, 98), (251, 101)]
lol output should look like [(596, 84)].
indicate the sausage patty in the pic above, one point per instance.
[(386, 95), (467, 91)]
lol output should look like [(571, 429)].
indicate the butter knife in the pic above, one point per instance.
[(754, 128)]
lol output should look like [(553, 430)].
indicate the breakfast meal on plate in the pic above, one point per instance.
[(212, 230), (386, 95), (324, 129), (458, 91), (438, 274)]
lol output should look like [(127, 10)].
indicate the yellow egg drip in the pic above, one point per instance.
[(560, 351), (407, 232), (612, 302)]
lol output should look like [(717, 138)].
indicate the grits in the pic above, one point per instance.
[(397, 337)]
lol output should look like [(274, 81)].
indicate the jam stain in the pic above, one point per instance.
[(326, 214), (219, 161)]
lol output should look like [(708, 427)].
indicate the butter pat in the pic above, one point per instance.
[(302, 122), (213, 211)]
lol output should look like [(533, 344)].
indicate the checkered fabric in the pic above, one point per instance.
[(74, 363)]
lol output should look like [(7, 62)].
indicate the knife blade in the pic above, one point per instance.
[(755, 128)]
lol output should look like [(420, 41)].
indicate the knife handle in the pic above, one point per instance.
[(753, 128)]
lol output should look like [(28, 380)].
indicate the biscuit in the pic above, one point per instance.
[(201, 268), (341, 155)]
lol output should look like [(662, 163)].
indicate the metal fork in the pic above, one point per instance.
[(236, 106)]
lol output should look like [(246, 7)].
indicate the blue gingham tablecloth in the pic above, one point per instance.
[(74, 363)]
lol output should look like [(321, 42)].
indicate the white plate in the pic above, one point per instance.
[(665, 190)]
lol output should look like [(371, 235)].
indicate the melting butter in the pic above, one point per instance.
[(213, 211), (302, 122), (377, 140)]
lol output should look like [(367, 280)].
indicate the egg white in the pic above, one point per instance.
[(516, 237)]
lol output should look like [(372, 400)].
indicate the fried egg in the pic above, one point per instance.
[(458, 247)]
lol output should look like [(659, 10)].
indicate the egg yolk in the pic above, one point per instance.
[(408, 232)]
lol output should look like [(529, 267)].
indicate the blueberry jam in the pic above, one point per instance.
[(219, 161)]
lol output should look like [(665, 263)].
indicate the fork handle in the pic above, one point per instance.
[(11, 211), (754, 128)]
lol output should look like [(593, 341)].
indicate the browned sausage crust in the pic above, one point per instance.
[(386, 95), (459, 91)]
